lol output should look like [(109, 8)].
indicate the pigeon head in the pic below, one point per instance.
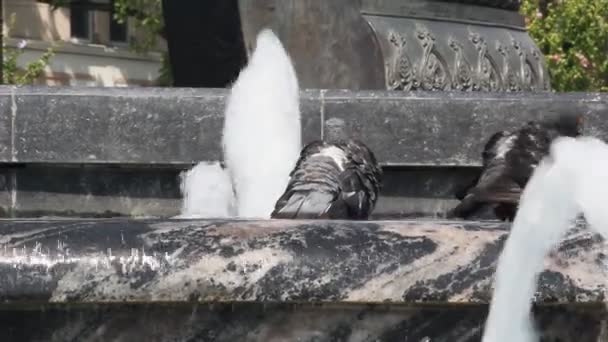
[(570, 125)]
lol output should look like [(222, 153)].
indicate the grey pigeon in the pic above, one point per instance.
[(508, 160), (332, 180)]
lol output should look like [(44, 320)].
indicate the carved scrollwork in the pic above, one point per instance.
[(463, 79), (401, 75), (489, 78), (433, 71), (511, 83), (528, 78), (445, 64), (542, 78)]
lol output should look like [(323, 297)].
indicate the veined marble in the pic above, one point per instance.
[(309, 281), (423, 262), (257, 322)]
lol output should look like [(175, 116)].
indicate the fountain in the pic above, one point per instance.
[(391, 278), (117, 266), (207, 192)]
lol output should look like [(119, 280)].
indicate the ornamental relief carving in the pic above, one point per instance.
[(510, 81), (488, 77), (400, 73), (433, 70), (463, 75), (542, 78), (425, 67), (528, 77)]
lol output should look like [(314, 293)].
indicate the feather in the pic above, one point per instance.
[(333, 181), (508, 161)]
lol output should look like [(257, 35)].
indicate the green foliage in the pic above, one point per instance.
[(14, 75), (11, 73), (573, 36), (57, 3), (148, 18), (166, 77)]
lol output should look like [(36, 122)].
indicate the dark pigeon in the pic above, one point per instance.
[(508, 160), (331, 181)]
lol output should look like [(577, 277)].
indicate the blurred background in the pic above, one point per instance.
[(119, 43)]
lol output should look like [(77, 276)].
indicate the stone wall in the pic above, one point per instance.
[(108, 152)]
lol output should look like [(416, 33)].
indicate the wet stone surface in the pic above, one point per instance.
[(238, 280), (281, 322), (422, 261)]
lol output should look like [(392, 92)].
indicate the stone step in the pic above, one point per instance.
[(106, 191), (176, 126), (417, 262), (101, 152)]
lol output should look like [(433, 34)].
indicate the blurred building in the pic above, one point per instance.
[(92, 49)]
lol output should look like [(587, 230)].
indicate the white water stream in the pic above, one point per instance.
[(573, 180)]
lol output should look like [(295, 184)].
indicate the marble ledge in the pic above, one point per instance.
[(413, 262)]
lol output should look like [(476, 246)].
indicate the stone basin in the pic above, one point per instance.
[(99, 152), (272, 280), (106, 152)]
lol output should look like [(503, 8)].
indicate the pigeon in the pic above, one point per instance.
[(508, 160), (331, 180)]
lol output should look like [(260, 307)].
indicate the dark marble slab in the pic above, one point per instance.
[(7, 115), (92, 126), (96, 191), (124, 126), (280, 322), (421, 262), (443, 129), (177, 126), (127, 146), (37, 190)]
